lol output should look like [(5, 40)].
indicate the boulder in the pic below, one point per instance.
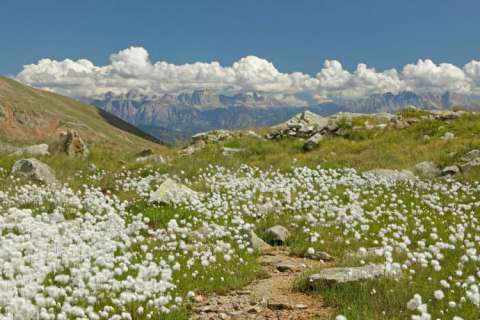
[(352, 274), (277, 235), (34, 170), (171, 192), (427, 169), (390, 175), (312, 142), (450, 170), (34, 150)]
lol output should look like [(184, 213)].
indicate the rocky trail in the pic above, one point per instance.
[(268, 298)]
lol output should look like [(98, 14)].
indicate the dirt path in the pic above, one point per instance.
[(270, 298)]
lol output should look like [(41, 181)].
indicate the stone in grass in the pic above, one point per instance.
[(319, 256), (427, 169), (390, 175), (171, 192), (277, 235), (352, 274), (155, 158), (257, 243), (450, 170), (34, 170), (34, 150), (231, 151), (312, 142)]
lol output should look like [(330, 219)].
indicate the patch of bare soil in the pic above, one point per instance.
[(270, 298)]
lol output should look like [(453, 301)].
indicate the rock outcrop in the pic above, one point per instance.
[(72, 144)]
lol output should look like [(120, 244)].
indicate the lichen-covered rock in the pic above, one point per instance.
[(34, 170)]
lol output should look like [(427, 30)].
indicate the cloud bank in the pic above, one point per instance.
[(132, 68)]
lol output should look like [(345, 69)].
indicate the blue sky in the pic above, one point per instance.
[(294, 35)]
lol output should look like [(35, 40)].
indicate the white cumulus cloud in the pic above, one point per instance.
[(132, 68)]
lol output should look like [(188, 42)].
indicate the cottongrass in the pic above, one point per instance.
[(87, 254)]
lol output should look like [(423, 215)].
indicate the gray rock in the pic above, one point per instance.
[(352, 274), (472, 155), (448, 136), (320, 256), (34, 170), (171, 192), (390, 175), (277, 234), (450, 170), (197, 146), (231, 151), (156, 158), (257, 243), (286, 267), (312, 142), (34, 150), (470, 165), (427, 169)]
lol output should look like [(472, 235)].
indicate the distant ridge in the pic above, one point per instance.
[(32, 115)]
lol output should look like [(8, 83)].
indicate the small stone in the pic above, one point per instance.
[(276, 305), (320, 256), (286, 267), (254, 310), (300, 306), (231, 151), (448, 136), (277, 235), (450, 170)]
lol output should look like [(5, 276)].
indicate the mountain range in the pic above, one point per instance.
[(174, 118)]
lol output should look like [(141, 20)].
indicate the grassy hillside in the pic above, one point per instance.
[(30, 115), (199, 245)]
